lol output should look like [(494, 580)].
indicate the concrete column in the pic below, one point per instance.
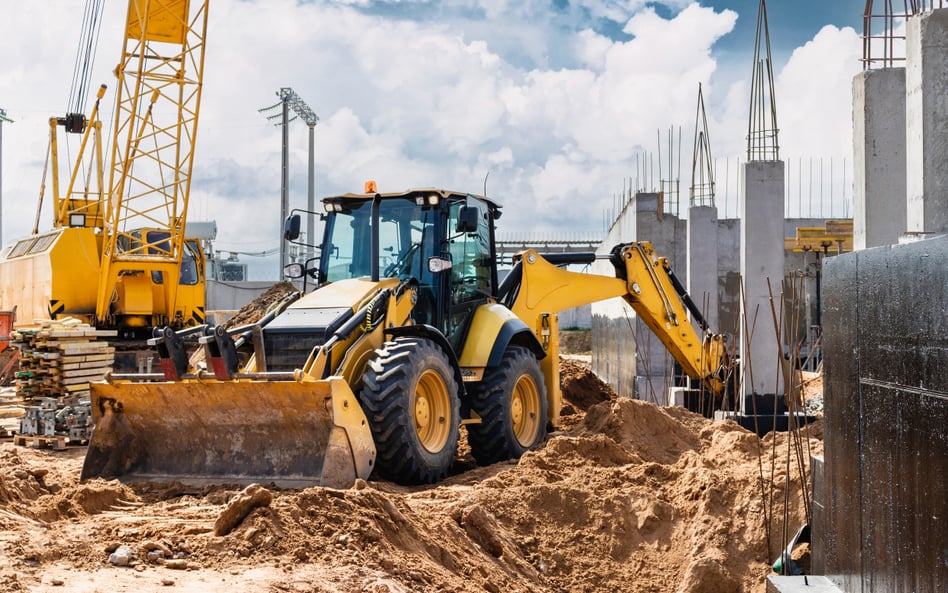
[(926, 111), (879, 190), (761, 259), (702, 279)]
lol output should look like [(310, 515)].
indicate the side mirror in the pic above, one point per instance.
[(294, 271), (291, 228), (467, 220)]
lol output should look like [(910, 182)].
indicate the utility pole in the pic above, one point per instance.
[(3, 119), (289, 100)]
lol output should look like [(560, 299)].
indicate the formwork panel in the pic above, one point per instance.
[(840, 543), (886, 416)]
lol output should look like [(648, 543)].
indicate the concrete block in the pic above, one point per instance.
[(886, 409), (800, 584)]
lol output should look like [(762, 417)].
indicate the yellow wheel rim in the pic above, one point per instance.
[(525, 410), (432, 410)]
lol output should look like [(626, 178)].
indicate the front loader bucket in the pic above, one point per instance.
[(294, 434)]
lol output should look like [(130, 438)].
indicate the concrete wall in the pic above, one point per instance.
[(729, 277), (578, 317), (614, 351), (798, 283), (879, 135), (702, 256), (926, 110), (883, 520), (613, 347)]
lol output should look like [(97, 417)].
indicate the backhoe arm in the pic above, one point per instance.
[(660, 300), (539, 288)]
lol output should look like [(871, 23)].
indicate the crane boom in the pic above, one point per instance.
[(159, 93)]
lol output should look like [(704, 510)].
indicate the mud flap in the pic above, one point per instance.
[(292, 434)]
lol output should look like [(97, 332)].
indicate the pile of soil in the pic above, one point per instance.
[(627, 497), (575, 341), (260, 306)]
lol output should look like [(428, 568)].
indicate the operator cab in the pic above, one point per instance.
[(444, 240)]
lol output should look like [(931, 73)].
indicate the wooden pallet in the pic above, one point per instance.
[(57, 443)]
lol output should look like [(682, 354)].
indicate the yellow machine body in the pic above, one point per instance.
[(407, 336), (294, 429), (54, 275)]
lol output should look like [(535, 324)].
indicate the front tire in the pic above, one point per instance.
[(410, 397), (511, 401)]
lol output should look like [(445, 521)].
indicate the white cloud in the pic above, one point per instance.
[(814, 93), (437, 102)]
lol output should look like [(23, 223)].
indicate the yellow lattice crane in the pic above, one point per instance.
[(117, 256)]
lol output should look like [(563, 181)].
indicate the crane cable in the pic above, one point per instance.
[(85, 55)]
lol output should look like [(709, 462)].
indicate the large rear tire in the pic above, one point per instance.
[(410, 397), (511, 401)]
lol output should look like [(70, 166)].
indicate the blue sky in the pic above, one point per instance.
[(792, 22), (555, 99)]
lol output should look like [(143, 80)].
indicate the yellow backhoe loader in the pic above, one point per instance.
[(407, 335)]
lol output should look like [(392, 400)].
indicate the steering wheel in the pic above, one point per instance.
[(400, 265)]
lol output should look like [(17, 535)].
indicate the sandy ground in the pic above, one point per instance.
[(627, 497)]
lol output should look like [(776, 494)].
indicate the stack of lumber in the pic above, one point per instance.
[(10, 411), (60, 358)]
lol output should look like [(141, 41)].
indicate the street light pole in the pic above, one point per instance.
[(289, 100), (311, 192), (284, 184), (3, 119)]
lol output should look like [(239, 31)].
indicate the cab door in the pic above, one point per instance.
[(472, 274)]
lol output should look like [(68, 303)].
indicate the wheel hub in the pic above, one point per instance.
[(432, 408), (524, 410)]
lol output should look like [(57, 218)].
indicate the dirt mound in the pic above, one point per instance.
[(643, 429), (632, 498), (257, 308), (575, 341), (581, 387)]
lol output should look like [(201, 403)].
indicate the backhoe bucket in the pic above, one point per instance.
[(293, 434)]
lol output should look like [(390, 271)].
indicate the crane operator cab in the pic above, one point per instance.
[(442, 240)]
